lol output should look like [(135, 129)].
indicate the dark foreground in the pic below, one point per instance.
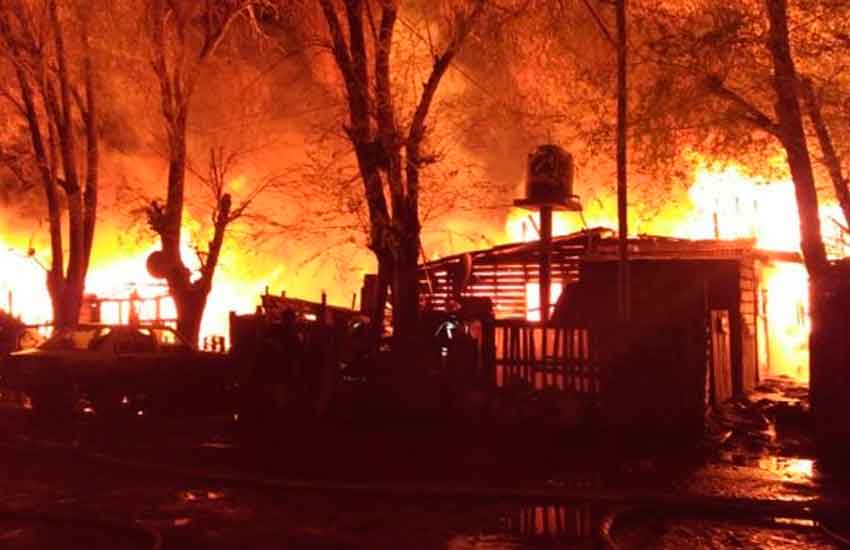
[(212, 485)]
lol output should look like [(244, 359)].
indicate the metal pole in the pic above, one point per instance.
[(545, 261), (623, 275)]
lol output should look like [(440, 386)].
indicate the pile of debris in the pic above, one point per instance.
[(775, 418)]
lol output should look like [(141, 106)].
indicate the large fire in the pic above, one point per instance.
[(22, 284), (723, 204), (118, 274), (726, 204)]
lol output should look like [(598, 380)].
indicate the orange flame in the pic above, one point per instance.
[(726, 204), (723, 203)]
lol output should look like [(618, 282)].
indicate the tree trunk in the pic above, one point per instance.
[(824, 372), (190, 304), (406, 289), (378, 307), (793, 139), (172, 223), (56, 289), (830, 158), (72, 300), (189, 307)]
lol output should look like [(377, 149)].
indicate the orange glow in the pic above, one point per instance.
[(786, 330), (23, 290), (729, 205), (532, 299), (724, 203), (118, 271), (721, 202)]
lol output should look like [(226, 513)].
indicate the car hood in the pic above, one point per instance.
[(38, 353)]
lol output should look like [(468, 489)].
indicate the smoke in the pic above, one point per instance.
[(277, 102)]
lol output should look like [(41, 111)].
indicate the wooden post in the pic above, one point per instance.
[(545, 285), (545, 262)]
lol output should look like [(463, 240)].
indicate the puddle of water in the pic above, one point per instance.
[(796, 521), (551, 521), (799, 470), (535, 526), (194, 495), (710, 535)]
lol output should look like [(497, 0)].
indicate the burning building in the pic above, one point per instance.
[(709, 318), (720, 293)]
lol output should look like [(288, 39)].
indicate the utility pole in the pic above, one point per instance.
[(623, 275)]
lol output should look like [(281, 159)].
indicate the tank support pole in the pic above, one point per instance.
[(545, 261)]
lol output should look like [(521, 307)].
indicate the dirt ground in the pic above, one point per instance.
[(755, 448)]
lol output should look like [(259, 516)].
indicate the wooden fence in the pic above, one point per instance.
[(562, 358)]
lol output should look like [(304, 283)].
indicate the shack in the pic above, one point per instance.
[(698, 334)]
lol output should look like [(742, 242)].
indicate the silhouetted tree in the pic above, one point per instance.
[(390, 145), (184, 36), (48, 47)]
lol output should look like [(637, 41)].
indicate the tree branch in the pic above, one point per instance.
[(417, 127), (338, 44), (750, 112), (829, 158)]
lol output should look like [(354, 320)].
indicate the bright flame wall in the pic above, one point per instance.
[(784, 325)]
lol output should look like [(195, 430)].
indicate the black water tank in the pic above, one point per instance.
[(549, 179)]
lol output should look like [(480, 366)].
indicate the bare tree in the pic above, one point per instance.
[(390, 149), (184, 36), (47, 44)]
